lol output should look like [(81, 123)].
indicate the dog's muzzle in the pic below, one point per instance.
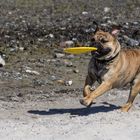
[(101, 51)]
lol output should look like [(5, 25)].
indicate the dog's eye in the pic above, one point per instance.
[(103, 40)]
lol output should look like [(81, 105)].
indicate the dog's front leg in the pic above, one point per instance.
[(88, 84), (105, 86)]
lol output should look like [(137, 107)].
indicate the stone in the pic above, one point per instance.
[(131, 41), (53, 78), (106, 9), (68, 83), (76, 71), (61, 81), (69, 43), (59, 55), (21, 48), (68, 63), (32, 72), (51, 35), (71, 56), (84, 13), (2, 61)]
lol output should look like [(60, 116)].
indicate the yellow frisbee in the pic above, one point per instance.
[(79, 50)]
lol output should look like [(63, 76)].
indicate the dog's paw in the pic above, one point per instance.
[(126, 107), (85, 102)]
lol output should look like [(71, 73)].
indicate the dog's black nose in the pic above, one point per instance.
[(97, 45), (1, 65)]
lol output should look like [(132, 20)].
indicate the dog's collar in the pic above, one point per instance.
[(107, 60)]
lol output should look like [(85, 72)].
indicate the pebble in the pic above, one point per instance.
[(69, 43), (53, 78), (135, 23), (74, 39), (38, 82), (68, 63), (106, 9), (131, 41), (59, 55), (32, 72), (68, 83), (76, 71), (51, 35), (71, 56), (10, 13), (21, 48), (84, 13), (40, 39), (13, 49), (61, 81), (2, 61)]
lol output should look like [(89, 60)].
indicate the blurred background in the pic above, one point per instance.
[(47, 23), (33, 34)]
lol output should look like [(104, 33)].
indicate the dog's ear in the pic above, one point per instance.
[(97, 29), (115, 30), (96, 26)]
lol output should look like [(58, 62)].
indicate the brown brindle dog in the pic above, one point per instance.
[(112, 67)]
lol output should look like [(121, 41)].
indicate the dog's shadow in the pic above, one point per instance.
[(106, 107)]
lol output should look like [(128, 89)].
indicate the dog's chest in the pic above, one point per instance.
[(97, 69)]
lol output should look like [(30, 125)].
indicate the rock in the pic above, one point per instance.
[(111, 22), (106, 9), (51, 35), (32, 72), (135, 23), (69, 43), (59, 55), (104, 24), (84, 13), (76, 71), (2, 61), (40, 39), (13, 49), (53, 78), (21, 48), (74, 39), (68, 63), (10, 13), (68, 83), (69, 70), (38, 82), (106, 17), (131, 41), (61, 81), (71, 56), (62, 44), (51, 60)]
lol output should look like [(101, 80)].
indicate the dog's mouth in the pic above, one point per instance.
[(101, 51)]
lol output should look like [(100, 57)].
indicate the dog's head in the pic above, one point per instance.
[(106, 43)]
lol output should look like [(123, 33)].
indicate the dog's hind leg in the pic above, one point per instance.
[(133, 93)]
